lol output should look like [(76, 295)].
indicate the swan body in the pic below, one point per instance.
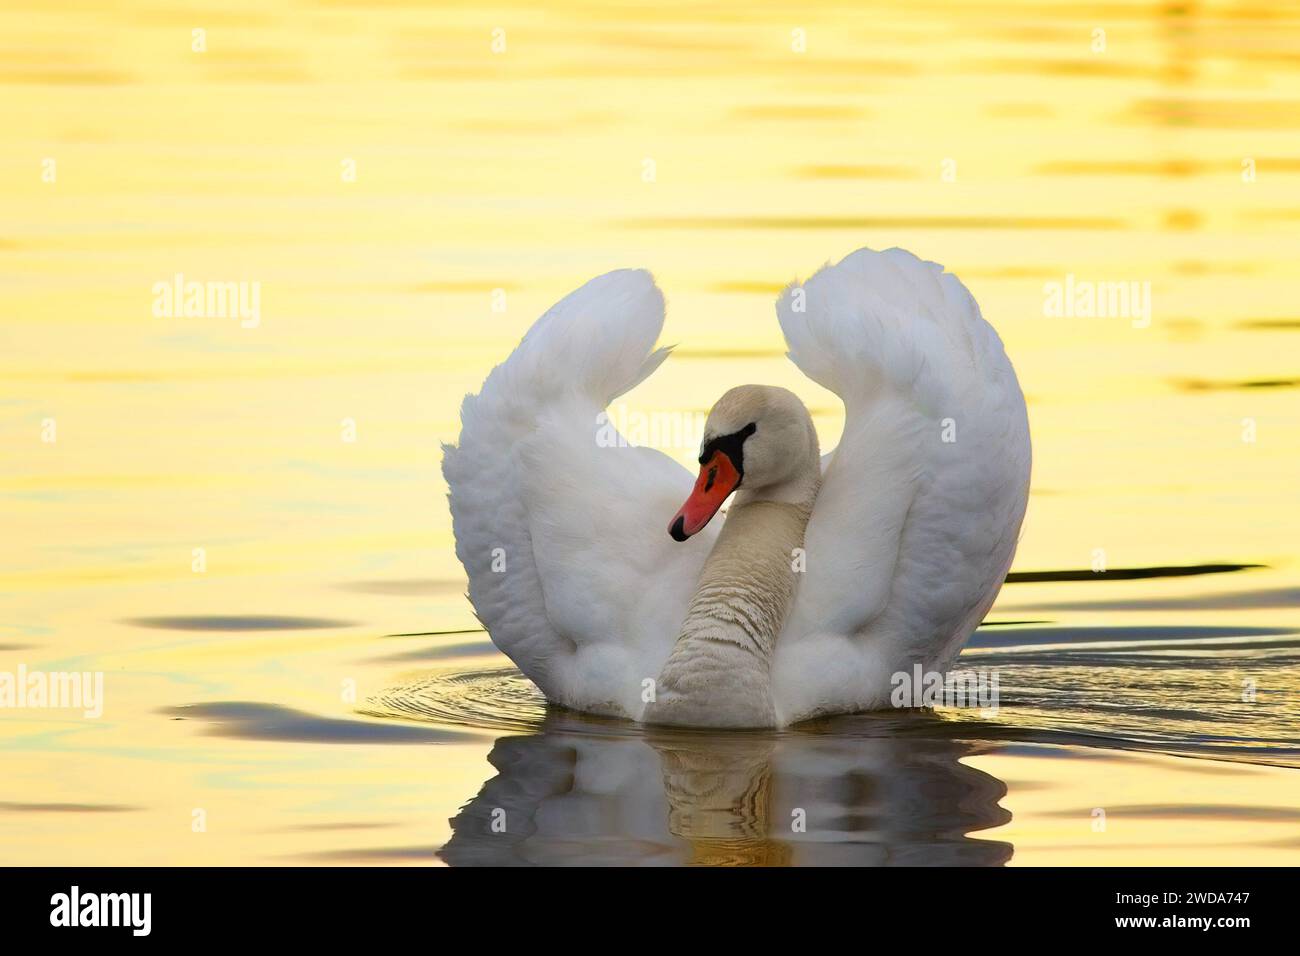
[(830, 573)]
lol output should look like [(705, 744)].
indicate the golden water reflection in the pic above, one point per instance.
[(264, 695)]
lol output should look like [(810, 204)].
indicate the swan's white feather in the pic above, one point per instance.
[(911, 535), (593, 588)]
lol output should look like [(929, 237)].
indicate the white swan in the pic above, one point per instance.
[(907, 528)]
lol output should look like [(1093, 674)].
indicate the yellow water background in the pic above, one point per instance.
[(412, 184)]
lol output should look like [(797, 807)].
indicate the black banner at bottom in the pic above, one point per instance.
[(368, 905)]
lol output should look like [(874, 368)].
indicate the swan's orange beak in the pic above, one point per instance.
[(718, 478)]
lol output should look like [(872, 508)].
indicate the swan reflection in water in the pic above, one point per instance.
[(567, 795)]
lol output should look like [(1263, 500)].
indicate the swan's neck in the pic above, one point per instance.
[(719, 673)]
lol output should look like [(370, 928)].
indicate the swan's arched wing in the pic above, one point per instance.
[(615, 583), (561, 526), (850, 329), (921, 503)]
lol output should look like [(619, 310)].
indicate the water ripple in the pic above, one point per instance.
[(1192, 697), (491, 698)]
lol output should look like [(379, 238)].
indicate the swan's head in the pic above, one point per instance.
[(758, 435)]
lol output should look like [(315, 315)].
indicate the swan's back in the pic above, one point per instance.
[(921, 506)]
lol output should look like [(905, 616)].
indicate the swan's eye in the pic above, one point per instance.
[(730, 445)]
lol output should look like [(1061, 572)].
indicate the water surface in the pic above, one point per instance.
[(244, 528)]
